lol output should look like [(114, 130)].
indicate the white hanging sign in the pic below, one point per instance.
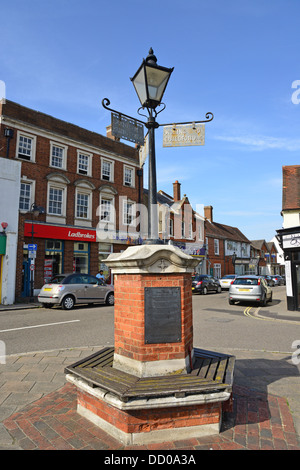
[(183, 135)]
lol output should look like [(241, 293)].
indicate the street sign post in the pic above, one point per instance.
[(126, 128), (32, 246), (183, 135)]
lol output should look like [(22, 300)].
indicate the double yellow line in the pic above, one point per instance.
[(247, 312), (257, 317)]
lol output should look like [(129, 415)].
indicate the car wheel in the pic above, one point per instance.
[(219, 290), (110, 299), (204, 290), (271, 297), (68, 302), (263, 302), (231, 302)]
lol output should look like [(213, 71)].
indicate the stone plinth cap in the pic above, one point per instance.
[(151, 259)]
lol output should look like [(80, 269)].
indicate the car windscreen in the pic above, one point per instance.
[(199, 278), (58, 280), (246, 281)]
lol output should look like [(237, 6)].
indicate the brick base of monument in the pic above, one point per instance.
[(142, 426)]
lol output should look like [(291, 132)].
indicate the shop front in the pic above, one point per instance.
[(59, 249), (63, 249), (289, 241)]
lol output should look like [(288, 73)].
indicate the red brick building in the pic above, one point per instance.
[(83, 180), (228, 250), (289, 235), (180, 225)]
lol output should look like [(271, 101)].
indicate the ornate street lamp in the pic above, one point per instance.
[(150, 82)]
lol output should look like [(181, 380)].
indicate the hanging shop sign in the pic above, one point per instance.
[(126, 128), (183, 135), (291, 240), (60, 233)]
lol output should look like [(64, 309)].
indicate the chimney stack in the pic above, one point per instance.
[(176, 191), (208, 213), (109, 134)]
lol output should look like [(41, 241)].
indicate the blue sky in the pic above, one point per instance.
[(237, 59)]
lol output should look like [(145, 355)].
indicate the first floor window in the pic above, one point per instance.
[(55, 201), (106, 210), (128, 176), (25, 197), (216, 245), (82, 206), (128, 213)]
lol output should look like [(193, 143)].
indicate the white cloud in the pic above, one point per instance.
[(263, 142)]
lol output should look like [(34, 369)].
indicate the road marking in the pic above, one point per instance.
[(256, 316), (39, 326), (247, 312)]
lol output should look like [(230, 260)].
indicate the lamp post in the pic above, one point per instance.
[(150, 82), (35, 210), (233, 261)]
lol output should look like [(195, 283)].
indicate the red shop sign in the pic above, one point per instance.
[(59, 233)]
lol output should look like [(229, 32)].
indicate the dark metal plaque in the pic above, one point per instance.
[(162, 315), (128, 129)]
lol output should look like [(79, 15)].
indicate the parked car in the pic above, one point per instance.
[(250, 288), (269, 279), (279, 281), (78, 288), (225, 281), (202, 284)]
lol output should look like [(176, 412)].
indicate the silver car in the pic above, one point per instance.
[(250, 288), (78, 288), (225, 281)]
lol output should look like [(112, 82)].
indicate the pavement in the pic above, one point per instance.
[(38, 406)]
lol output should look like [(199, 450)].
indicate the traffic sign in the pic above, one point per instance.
[(32, 247), (32, 267)]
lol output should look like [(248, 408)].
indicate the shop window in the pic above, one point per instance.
[(53, 263), (81, 257)]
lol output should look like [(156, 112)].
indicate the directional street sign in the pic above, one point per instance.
[(32, 247)]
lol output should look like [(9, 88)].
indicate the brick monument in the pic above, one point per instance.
[(153, 385)]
